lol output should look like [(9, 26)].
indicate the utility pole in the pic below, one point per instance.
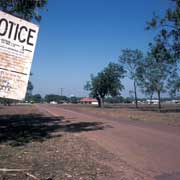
[(61, 91)]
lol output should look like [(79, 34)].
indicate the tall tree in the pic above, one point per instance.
[(129, 59), (168, 27), (30, 88), (25, 9), (153, 73), (107, 82)]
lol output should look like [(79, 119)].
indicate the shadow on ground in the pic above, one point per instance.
[(17, 130)]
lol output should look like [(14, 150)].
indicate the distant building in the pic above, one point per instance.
[(153, 101), (89, 101)]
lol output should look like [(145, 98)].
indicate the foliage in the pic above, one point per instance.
[(30, 88), (119, 99), (153, 73), (169, 36), (169, 27), (107, 82), (36, 98), (7, 102), (174, 85), (114, 100), (130, 59), (25, 9), (128, 100), (53, 97), (74, 100)]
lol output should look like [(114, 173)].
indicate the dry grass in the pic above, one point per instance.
[(169, 114)]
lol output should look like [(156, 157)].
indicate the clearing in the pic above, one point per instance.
[(59, 142)]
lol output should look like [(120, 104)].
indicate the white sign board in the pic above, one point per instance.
[(17, 45)]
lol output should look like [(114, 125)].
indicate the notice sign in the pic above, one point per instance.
[(17, 45)]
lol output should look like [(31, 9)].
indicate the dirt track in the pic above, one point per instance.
[(140, 150)]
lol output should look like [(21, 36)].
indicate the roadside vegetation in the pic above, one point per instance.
[(154, 72), (37, 145), (149, 114)]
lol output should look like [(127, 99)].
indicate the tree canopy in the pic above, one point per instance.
[(25, 9), (167, 43), (130, 59), (54, 97), (169, 28), (106, 82), (36, 98), (30, 88), (154, 72)]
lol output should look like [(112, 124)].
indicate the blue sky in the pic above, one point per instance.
[(80, 37)]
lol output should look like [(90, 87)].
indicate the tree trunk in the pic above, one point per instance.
[(151, 97), (99, 102), (135, 94), (102, 102), (159, 99)]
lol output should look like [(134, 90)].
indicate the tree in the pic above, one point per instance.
[(25, 9), (174, 85), (168, 28), (51, 97), (74, 100), (107, 82), (54, 97), (36, 98), (30, 88), (113, 100), (7, 102), (144, 78), (153, 73), (129, 59)]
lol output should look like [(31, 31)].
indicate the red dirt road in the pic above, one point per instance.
[(141, 151)]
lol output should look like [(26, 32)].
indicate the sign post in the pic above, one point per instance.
[(17, 44)]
